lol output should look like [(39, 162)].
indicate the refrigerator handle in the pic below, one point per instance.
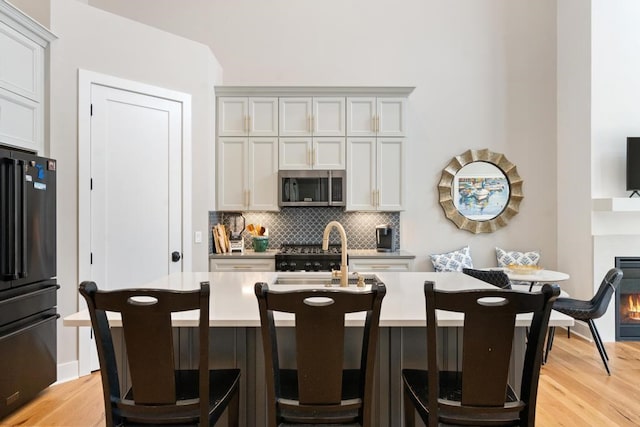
[(22, 273), (16, 224), (7, 206)]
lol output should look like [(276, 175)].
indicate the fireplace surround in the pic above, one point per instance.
[(628, 300)]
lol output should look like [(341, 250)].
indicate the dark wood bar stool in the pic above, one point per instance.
[(479, 394), (160, 393), (319, 390)]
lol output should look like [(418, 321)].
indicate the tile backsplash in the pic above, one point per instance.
[(302, 225)]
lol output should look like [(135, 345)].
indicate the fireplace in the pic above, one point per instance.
[(628, 300)]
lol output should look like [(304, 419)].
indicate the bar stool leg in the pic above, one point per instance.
[(550, 335)]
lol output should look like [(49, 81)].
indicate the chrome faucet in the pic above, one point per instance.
[(344, 268)]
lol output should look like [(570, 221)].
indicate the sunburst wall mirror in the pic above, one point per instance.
[(480, 191)]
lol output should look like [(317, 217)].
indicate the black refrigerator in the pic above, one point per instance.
[(27, 277)]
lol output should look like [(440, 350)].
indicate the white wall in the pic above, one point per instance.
[(616, 92), (98, 41), (38, 10), (615, 115), (484, 73), (574, 145)]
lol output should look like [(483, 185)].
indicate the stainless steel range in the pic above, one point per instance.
[(293, 257)]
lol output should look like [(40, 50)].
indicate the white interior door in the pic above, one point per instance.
[(134, 142), (136, 199)]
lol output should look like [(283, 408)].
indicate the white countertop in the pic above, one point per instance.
[(234, 304)]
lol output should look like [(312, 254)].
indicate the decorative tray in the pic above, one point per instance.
[(523, 269)]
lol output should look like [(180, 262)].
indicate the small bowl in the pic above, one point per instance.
[(260, 243), (523, 269)]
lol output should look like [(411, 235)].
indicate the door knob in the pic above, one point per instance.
[(175, 256)]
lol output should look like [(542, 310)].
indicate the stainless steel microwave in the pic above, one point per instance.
[(312, 188)]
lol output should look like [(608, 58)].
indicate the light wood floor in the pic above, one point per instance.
[(575, 390)]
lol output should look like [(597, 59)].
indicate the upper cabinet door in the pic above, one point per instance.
[(295, 153), (21, 69), (240, 116), (391, 116), (390, 178), (328, 116), (361, 174), (295, 116), (20, 121), (232, 174), (361, 113), (329, 153), (233, 116), (262, 174), (263, 116), (376, 116)]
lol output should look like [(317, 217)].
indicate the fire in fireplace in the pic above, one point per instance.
[(628, 300), (630, 309)]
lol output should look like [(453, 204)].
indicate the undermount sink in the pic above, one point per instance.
[(321, 279)]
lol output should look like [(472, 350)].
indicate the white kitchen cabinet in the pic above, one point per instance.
[(21, 121), (312, 116), (247, 116), (303, 153), (241, 264), (375, 174), (376, 116), (247, 174), (380, 264), (22, 80)]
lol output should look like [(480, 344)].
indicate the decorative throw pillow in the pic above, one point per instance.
[(452, 261), (514, 257)]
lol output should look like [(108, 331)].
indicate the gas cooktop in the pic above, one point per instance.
[(307, 257), (307, 249)]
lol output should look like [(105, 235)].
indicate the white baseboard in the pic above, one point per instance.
[(67, 372), (579, 328)]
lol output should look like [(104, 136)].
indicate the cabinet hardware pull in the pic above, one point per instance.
[(313, 122), (309, 124), (246, 198), (315, 156), (377, 123), (246, 123), (243, 267), (379, 267)]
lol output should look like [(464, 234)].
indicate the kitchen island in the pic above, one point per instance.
[(235, 335)]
